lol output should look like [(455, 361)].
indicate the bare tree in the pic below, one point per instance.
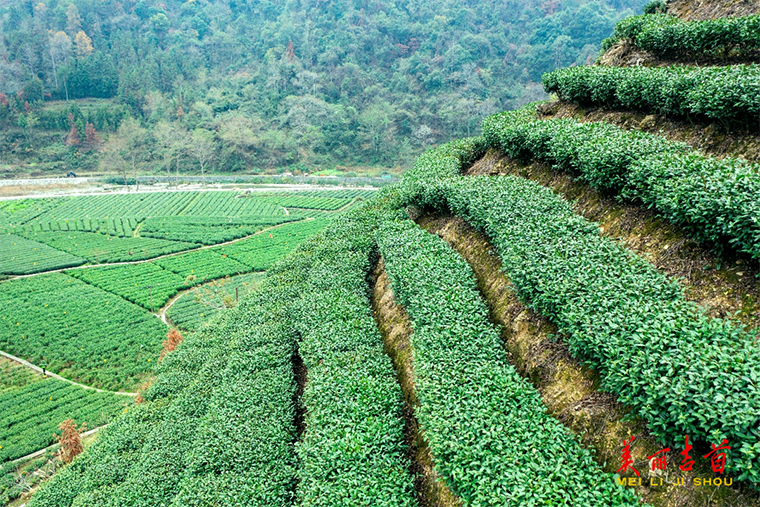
[(165, 134), (60, 49), (112, 157), (134, 136), (203, 148)]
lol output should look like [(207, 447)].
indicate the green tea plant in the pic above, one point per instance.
[(31, 413), (196, 307), (103, 248), (259, 252), (672, 37), (227, 204), (727, 94), (146, 284), (218, 426), (487, 427), (202, 265), (658, 353), (137, 206), (120, 226), (308, 202), (208, 230), (715, 200), (351, 451)]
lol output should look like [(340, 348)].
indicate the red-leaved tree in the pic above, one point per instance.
[(90, 136), (73, 137)]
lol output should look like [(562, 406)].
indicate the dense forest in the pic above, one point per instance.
[(230, 85)]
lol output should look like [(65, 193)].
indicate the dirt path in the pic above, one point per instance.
[(393, 323), (206, 247), (56, 376)]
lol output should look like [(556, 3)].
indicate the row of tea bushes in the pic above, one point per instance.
[(727, 94), (481, 419), (670, 37), (716, 200)]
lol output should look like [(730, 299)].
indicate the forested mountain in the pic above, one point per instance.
[(266, 84)]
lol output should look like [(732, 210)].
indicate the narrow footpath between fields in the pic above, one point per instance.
[(50, 374)]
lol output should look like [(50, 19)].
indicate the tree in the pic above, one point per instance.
[(112, 156), (135, 136), (73, 138), (424, 135), (69, 440), (83, 45), (203, 148), (60, 49), (73, 20), (124, 149), (91, 138), (376, 127), (171, 141), (239, 135)]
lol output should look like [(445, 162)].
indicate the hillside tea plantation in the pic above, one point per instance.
[(275, 346), (671, 37)]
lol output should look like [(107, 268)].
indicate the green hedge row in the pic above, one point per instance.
[(487, 427), (670, 36), (716, 200), (728, 94), (683, 372), (352, 450), (206, 437)]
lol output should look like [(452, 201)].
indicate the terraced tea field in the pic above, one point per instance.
[(468, 336)]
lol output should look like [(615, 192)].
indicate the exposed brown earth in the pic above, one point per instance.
[(396, 330), (570, 390), (712, 9)]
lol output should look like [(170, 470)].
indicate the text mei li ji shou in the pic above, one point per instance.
[(658, 461)]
